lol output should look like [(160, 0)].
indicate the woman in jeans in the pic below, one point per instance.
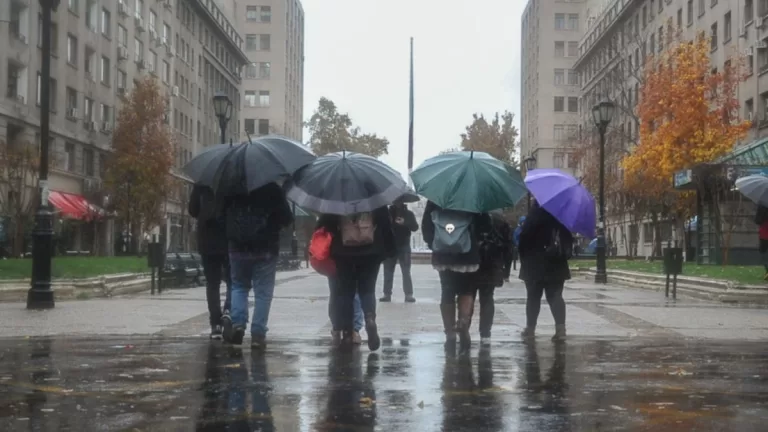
[(541, 272), (357, 268)]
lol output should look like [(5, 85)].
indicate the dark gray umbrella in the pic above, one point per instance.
[(248, 166), (345, 183)]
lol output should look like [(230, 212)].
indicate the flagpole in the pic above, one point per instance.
[(410, 123)]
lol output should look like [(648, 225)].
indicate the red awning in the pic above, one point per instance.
[(75, 206)]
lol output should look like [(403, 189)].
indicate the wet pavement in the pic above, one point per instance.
[(181, 384), (634, 362)]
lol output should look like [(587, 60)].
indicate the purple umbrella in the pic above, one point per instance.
[(565, 198)]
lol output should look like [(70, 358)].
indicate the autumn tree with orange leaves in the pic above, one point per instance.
[(689, 115), (138, 170)]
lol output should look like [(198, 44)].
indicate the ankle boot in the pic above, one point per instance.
[(373, 332), (559, 333), (448, 312), (466, 308)]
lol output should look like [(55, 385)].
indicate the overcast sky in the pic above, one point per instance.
[(467, 60)]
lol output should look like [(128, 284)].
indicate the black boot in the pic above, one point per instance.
[(373, 332)]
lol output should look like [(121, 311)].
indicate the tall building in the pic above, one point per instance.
[(273, 80), (551, 31), (100, 48), (619, 36)]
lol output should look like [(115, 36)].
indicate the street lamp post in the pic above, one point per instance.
[(222, 107), (530, 164), (40, 294), (602, 114)]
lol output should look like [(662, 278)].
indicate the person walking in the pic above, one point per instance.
[(761, 219), (505, 234), (545, 247), (516, 239), (360, 243), (404, 223), (212, 246), (495, 247), (333, 288), (454, 238), (253, 224)]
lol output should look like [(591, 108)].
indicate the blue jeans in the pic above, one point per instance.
[(257, 271), (359, 318)]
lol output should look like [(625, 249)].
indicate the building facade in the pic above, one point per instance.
[(551, 31), (100, 49), (273, 80), (621, 33)]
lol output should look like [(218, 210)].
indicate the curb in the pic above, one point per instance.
[(701, 288)]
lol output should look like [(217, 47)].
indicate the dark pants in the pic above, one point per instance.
[(216, 269), (509, 258), (487, 310), (355, 275), (453, 284), (554, 292), (404, 259), (764, 252)]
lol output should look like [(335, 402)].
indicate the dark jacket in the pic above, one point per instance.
[(481, 224), (272, 198), (535, 265), (211, 232), (383, 246), (403, 232)]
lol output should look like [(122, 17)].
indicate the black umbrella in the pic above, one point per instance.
[(345, 183), (248, 166)]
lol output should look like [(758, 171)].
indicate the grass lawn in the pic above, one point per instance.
[(743, 274), (75, 267)]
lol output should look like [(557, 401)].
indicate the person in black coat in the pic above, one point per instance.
[(212, 245), (357, 269), (403, 224), (542, 272)]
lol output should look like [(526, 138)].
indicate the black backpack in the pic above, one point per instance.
[(246, 222), (558, 247)]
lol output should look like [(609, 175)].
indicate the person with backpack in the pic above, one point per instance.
[(253, 224), (495, 249), (212, 245), (455, 240), (360, 243), (545, 247)]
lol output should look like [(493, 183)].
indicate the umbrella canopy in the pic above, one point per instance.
[(409, 196), (469, 181), (248, 166), (565, 198), (344, 183), (754, 187)]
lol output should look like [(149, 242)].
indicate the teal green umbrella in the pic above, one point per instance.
[(470, 181)]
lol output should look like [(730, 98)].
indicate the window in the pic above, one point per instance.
[(92, 15), (250, 98), (749, 109), (251, 42), (166, 33), (88, 162), (88, 112), (689, 8), (105, 70), (138, 49), (264, 42), (73, 5), (106, 116), (69, 150), (250, 126), (252, 13), (52, 93), (727, 27), (54, 35), (559, 49), (266, 14), (573, 77), (122, 79), (713, 36), (680, 18), (559, 21), (573, 21), (264, 98), (651, 9), (559, 133), (573, 49), (559, 104), (645, 16), (166, 72), (702, 8), (139, 8), (263, 126), (71, 50), (661, 5), (106, 23), (714, 2), (573, 104), (152, 62), (71, 98), (749, 11), (559, 76), (653, 43), (152, 20), (573, 159), (661, 38), (558, 160)]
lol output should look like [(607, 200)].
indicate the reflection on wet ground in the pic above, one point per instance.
[(170, 384)]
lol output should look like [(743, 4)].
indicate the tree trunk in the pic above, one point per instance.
[(18, 238)]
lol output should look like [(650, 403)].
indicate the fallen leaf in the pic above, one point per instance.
[(366, 402)]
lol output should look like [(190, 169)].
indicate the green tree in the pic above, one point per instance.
[(332, 131), (497, 137)]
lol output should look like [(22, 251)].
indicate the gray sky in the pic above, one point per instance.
[(467, 60)]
